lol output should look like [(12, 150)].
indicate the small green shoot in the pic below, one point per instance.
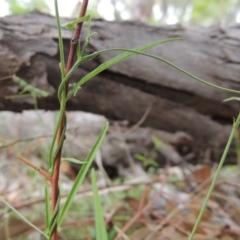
[(72, 25), (147, 162), (27, 91), (149, 159)]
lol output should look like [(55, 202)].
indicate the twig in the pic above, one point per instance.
[(142, 119), (44, 173), (143, 198), (140, 212), (175, 225), (24, 140), (102, 190), (176, 209), (5, 78)]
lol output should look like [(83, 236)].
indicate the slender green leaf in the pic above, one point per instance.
[(72, 25), (74, 160), (180, 69), (24, 219), (47, 207), (54, 216), (60, 40), (157, 142), (235, 126), (113, 61), (232, 99), (100, 227), (81, 175), (89, 36), (28, 88), (79, 55), (120, 57), (140, 157)]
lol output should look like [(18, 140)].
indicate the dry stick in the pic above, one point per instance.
[(176, 209), (24, 140), (102, 191), (175, 225), (44, 173), (73, 47), (142, 119), (139, 213), (5, 78), (144, 197), (33, 138)]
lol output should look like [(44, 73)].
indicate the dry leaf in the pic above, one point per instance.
[(195, 209), (140, 234), (188, 225), (17, 227), (133, 202), (226, 237), (169, 206), (169, 233), (66, 169), (202, 173)]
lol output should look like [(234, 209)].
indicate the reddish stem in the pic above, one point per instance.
[(72, 52), (44, 173)]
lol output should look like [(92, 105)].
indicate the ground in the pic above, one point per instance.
[(144, 198)]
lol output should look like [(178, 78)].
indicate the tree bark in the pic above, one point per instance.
[(29, 49)]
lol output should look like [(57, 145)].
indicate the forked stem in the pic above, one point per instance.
[(44, 173)]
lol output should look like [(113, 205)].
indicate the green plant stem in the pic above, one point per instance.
[(235, 126), (60, 41), (59, 135), (75, 40)]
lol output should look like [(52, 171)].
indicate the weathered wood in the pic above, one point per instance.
[(28, 48)]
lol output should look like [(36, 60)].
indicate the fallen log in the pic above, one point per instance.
[(28, 48)]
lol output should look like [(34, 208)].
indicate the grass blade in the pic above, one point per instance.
[(114, 61), (100, 227), (71, 25), (81, 175), (73, 160), (235, 126), (24, 219), (232, 99), (60, 40), (129, 53), (85, 79), (47, 207)]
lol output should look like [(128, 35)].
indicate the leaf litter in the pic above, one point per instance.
[(138, 206)]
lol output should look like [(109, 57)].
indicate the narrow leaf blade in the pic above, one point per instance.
[(24, 219), (71, 25), (176, 67), (81, 175), (101, 233), (114, 61), (73, 160), (231, 99), (47, 207)]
